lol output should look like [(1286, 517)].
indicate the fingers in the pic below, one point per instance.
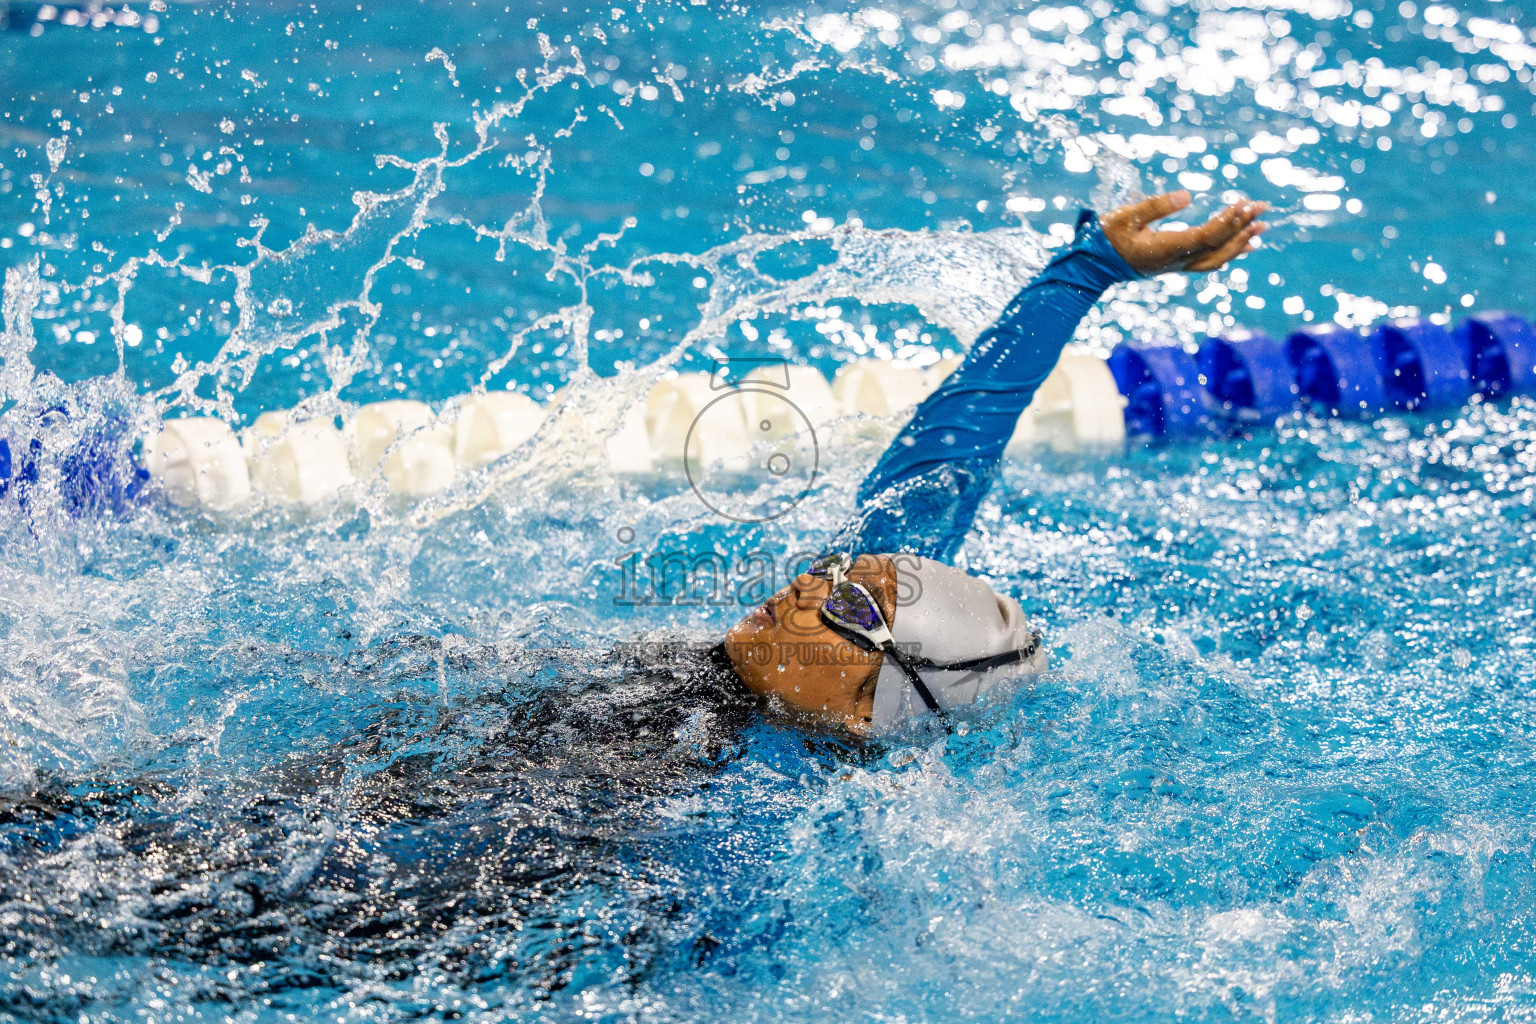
[(1224, 237), (1215, 235), (1228, 224), (1139, 215), (1174, 247), (1237, 245)]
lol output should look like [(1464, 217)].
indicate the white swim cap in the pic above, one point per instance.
[(945, 615)]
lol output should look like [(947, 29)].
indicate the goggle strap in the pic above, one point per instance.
[(1012, 657), (917, 682)]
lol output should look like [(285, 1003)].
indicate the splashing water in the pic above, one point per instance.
[(387, 761)]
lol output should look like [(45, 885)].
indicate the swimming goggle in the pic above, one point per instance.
[(852, 613)]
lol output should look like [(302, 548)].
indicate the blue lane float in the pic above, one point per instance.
[(1336, 370), (99, 474), (1420, 364), (1500, 353), (1161, 385), (1248, 376)]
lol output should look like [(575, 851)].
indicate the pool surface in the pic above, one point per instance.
[(392, 760)]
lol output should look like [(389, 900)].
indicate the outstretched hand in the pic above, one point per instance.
[(1210, 246)]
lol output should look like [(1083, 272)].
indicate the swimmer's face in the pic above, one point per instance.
[(784, 648)]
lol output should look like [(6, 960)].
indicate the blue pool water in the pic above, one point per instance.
[(381, 761)]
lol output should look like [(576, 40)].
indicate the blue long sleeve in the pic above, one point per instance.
[(922, 495)]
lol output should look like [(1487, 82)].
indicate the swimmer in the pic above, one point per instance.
[(883, 628)]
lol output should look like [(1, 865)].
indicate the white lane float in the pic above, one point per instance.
[(770, 409), (877, 388), (198, 461), (687, 417), (626, 444), (629, 448), (490, 425), (301, 462), (404, 440), (935, 373), (1078, 406), (419, 452)]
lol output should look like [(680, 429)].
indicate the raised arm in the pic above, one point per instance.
[(922, 495)]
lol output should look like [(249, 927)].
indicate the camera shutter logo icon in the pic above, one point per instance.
[(751, 453)]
